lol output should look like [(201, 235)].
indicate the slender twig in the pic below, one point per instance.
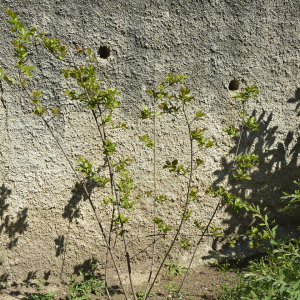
[(109, 241), (117, 199), (118, 206), (290, 253), (147, 246), (186, 203), (266, 223), (192, 121), (154, 204), (167, 234), (216, 209), (113, 211), (50, 119), (240, 137), (111, 223)]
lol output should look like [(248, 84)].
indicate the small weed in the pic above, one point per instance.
[(42, 296), (84, 288), (223, 267), (203, 295), (174, 291), (173, 269), (40, 284), (183, 292), (237, 260), (140, 294), (116, 294)]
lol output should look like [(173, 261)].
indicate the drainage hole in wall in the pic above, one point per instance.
[(233, 85), (104, 52)]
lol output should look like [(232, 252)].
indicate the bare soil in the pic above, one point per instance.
[(203, 282)]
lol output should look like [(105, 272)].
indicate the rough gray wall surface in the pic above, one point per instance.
[(45, 223)]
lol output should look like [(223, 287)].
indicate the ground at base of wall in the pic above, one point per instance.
[(203, 282)]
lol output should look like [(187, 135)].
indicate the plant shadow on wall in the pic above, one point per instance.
[(3, 207), (276, 170), (11, 226), (10, 229), (71, 212), (295, 100)]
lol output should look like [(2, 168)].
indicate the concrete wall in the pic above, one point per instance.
[(46, 224)]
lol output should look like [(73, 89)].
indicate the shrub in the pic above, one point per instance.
[(275, 275), (171, 98)]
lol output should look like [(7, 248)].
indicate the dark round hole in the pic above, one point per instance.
[(104, 52), (234, 85)]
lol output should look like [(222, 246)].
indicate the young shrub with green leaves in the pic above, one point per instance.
[(171, 99), (102, 104), (167, 101), (242, 164), (275, 275)]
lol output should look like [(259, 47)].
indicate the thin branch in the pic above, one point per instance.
[(113, 211), (147, 247), (192, 121), (169, 234), (109, 241), (154, 205), (186, 204), (288, 253), (216, 209), (118, 206)]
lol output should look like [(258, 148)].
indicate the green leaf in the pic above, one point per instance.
[(172, 79), (147, 141), (250, 91), (161, 198), (55, 111), (109, 147), (85, 297), (199, 225), (38, 110), (231, 130), (251, 124), (199, 162), (215, 230), (148, 193), (184, 243), (199, 114)]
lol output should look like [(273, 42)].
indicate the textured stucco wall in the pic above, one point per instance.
[(45, 223)]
